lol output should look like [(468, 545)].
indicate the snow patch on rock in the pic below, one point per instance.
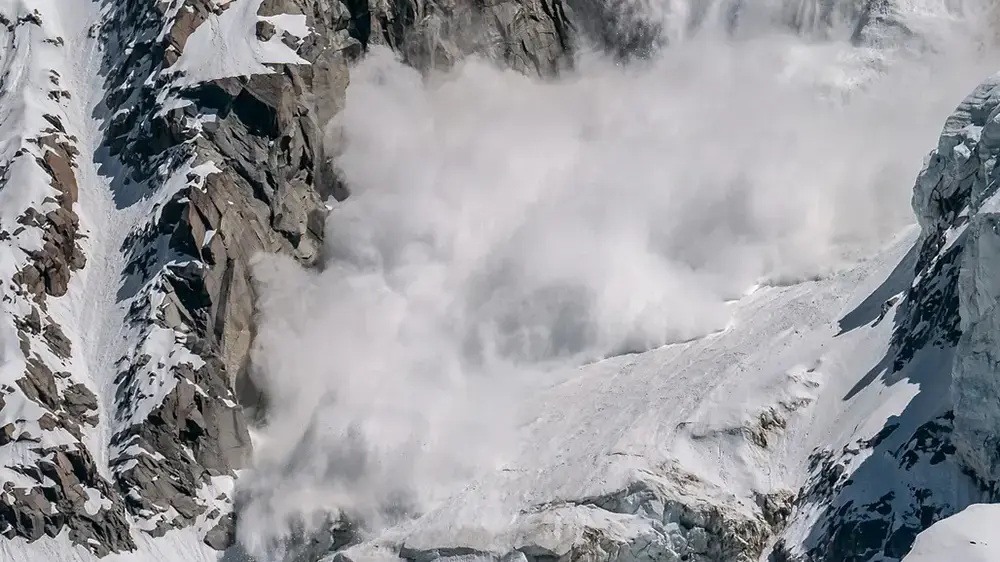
[(231, 38)]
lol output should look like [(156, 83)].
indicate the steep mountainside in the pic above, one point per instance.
[(150, 150)]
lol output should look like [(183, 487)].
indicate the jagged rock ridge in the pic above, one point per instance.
[(207, 168)]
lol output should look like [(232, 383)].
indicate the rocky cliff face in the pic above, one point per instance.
[(207, 165), (943, 339), (955, 201)]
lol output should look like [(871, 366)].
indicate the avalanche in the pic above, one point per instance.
[(623, 280)]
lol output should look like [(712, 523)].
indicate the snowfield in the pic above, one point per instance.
[(969, 535)]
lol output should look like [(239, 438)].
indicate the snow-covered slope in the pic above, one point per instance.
[(706, 461), (969, 535), (150, 150), (799, 440)]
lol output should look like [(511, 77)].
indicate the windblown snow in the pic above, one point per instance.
[(641, 311), (500, 226)]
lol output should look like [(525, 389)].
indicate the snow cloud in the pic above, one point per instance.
[(499, 224)]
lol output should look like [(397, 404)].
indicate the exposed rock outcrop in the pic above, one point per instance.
[(956, 203), (52, 484), (220, 167), (532, 36), (242, 182), (250, 178)]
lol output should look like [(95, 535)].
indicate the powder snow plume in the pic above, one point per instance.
[(499, 225)]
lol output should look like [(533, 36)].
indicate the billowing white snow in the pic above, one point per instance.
[(500, 227), (751, 192), (673, 415)]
